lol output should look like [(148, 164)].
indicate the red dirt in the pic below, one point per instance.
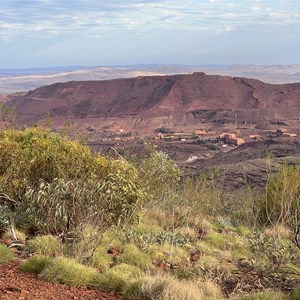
[(15, 284), (154, 95), (143, 104)]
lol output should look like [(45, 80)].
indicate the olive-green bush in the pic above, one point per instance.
[(60, 187), (35, 154), (159, 174), (281, 201)]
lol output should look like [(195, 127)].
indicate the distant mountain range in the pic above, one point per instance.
[(14, 80)]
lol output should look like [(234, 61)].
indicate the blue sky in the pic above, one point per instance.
[(39, 33)]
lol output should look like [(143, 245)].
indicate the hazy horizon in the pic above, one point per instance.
[(77, 67)]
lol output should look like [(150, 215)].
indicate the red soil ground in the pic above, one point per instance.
[(15, 284)]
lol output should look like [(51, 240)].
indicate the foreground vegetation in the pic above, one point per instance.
[(140, 229)]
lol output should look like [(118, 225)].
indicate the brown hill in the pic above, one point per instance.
[(168, 100)]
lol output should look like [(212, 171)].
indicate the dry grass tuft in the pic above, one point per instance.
[(166, 287), (278, 231)]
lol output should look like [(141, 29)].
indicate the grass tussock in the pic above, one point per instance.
[(21, 236), (68, 271), (132, 255), (295, 294), (117, 278), (154, 217), (267, 295), (36, 264), (47, 245), (278, 231), (101, 260), (6, 254), (165, 287)]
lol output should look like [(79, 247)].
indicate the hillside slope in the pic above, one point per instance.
[(145, 98)]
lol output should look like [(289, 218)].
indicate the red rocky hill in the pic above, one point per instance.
[(145, 98)]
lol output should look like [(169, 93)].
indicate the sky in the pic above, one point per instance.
[(48, 33)]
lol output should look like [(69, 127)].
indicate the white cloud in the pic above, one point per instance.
[(256, 8), (53, 17)]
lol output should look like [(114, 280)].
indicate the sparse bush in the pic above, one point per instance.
[(7, 114), (274, 250), (242, 206), (159, 174), (281, 202), (6, 254), (197, 199), (36, 264), (68, 271), (144, 240)]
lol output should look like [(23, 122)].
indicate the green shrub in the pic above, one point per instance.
[(68, 271), (201, 197), (60, 183), (274, 250), (116, 198), (35, 264), (158, 169), (143, 240), (6, 254), (35, 154), (117, 278), (70, 206), (281, 202)]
